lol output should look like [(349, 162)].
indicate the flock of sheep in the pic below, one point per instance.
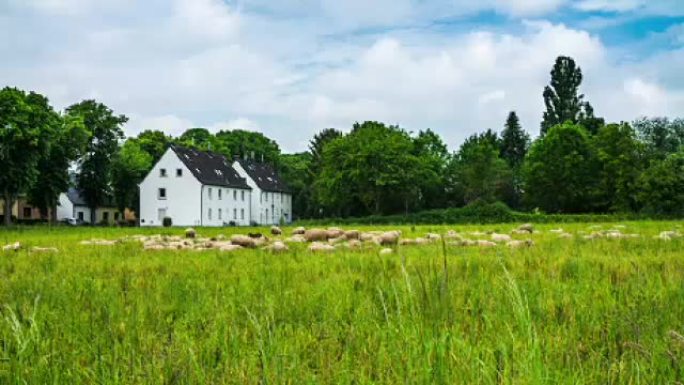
[(333, 238)]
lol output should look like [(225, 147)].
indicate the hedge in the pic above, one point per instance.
[(478, 214)]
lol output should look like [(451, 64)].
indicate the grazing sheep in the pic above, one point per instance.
[(12, 247), (334, 241), (243, 241), (565, 235), (230, 247), (407, 242), (501, 237), (386, 251), (352, 234), (321, 248), (668, 235), (275, 230), (432, 237), (463, 242), (190, 233), (517, 244), (354, 244), (390, 238), (315, 235), (277, 247), (335, 232), (484, 243), (299, 231), (526, 228), (366, 237), (297, 238), (255, 235)]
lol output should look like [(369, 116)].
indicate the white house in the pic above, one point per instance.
[(194, 188), (271, 198), (72, 205)]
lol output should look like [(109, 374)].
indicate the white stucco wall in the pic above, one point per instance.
[(233, 205), (182, 201), (265, 203), (65, 209)]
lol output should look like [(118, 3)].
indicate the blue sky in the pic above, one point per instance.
[(289, 68)]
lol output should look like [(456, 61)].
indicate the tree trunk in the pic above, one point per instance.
[(93, 216), (8, 208), (53, 215)]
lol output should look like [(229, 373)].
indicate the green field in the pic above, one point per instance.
[(564, 311)]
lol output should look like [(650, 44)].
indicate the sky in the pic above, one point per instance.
[(289, 68)]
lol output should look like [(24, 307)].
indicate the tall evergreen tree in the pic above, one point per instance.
[(562, 98), (105, 130), (514, 141)]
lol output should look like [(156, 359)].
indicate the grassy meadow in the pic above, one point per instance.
[(564, 311)]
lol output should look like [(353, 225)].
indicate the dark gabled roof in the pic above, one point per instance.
[(210, 168), (77, 199), (264, 175)]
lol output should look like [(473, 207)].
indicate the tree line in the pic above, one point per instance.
[(577, 164)]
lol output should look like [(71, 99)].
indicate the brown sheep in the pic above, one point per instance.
[(275, 230), (390, 238), (299, 231), (352, 234), (316, 235), (334, 232), (190, 233), (243, 241), (321, 248), (277, 247)]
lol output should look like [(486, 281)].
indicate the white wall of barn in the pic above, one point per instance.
[(182, 201)]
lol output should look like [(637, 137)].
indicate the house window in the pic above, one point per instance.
[(161, 214), (80, 215), (27, 212), (162, 193), (105, 216), (162, 172), (234, 213), (179, 172), (220, 216), (243, 195), (209, 214), (220, 196), (234, 195), (266, 198), (242, 213), (266, 213), (210, 191)]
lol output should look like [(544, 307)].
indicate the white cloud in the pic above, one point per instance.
[(185, 63)]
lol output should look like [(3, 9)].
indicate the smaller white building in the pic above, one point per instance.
[(271, 197), (72, 205), (194, 188)]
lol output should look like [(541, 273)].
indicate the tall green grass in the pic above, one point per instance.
[(561, 312)]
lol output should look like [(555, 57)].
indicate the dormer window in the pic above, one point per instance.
[(162, 172)]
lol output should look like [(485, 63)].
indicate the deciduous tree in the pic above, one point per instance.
[(95, 166)]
